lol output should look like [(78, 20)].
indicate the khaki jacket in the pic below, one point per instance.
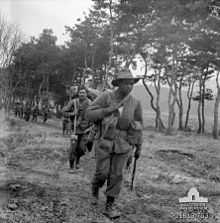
[(69, 111), (120, 131)]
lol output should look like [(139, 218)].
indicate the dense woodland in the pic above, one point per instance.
[(178, 41)]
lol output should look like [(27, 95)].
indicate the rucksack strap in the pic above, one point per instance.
[(75, 116)]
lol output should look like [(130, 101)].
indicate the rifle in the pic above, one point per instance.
[(133, 173)]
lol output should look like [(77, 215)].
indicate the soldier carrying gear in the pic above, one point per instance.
[(35, 113), (66, 125), (21, 110), (16, 109), (27, 111), (68, 119), (45, 112), (120, 115), (75, 109)]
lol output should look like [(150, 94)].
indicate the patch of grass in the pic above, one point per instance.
[(11, 122), (151, 136), (174, 155), (214, 177), (15, 140)]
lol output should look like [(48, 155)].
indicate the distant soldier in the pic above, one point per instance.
[(16, 109), (21, 110), (120, 118), (67, 120), (35, 113), (75, 110), (66, 126), (66, 123), (27, 112), (45, 112)]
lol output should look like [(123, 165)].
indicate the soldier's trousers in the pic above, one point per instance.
[(77, 149), (109, 166)]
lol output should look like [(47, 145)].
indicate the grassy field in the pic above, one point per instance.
[(140, 93), (40, 189)]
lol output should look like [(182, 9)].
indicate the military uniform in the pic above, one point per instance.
[(27, 112), (21, 110), (35, 113), (45, 112), (82, 125), (16, 109), (116, 141), (66, 125), (120, 131)]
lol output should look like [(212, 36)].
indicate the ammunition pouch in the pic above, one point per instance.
[(108, 127)]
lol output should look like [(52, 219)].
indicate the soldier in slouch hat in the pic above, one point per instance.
[(120, 119)]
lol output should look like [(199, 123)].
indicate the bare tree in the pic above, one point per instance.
[(155, 103), (10, 38), (191, 84)]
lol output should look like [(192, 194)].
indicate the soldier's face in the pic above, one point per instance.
[(73, 91), (82, 94), (125, 86)]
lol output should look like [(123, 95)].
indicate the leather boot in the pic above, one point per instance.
[(71, 164), (77, 163), (95, 195), (110, 210)]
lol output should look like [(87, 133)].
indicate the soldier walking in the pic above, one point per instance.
[(75, 110), (35, 113), (67, 121), (16, 109), (45, 112), (21, 110), (120, 119), (27, 111), (66, 125)]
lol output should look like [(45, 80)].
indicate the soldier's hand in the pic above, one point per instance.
[(68, 114), (72, 113), (137, 153), (111, 109)]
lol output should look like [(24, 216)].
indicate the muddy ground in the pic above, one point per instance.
[(37, 188)]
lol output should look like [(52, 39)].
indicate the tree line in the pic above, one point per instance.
[(178, 41)]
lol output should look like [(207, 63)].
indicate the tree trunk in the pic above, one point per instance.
[(181, 117), (93, 58), (203, 107), (199, 117), (215, 124), (199, 107), (189, 96), (171, 112), (158, 120), (172, 99), (93, 61), (151, 96), (180, 106), (40, 89), (111, 51), (215, 131), (44, 83), (85, 61), (47, 83)]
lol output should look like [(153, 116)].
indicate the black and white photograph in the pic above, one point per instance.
[(109, 111)]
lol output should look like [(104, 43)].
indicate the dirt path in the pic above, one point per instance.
[(41, 190), (3, 126)]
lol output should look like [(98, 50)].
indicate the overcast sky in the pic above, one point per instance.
[(33, 16)]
